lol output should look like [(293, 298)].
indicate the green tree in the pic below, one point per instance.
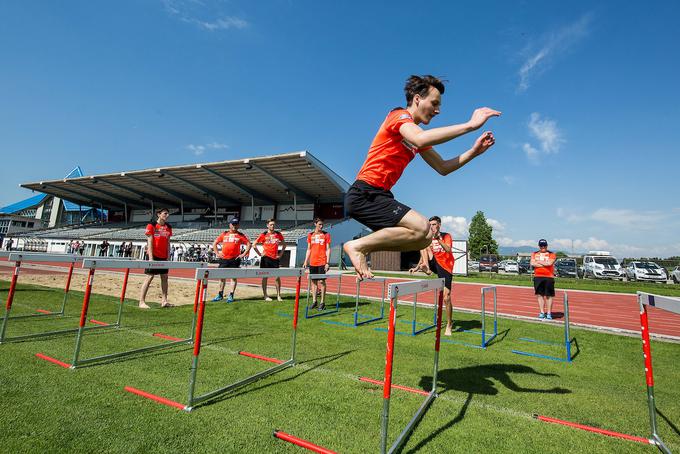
[(480, 239)]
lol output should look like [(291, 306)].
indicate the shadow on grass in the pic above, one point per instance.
[(480, 380), (668, 421), (324, 360)]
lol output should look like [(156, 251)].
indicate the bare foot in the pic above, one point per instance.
[(358, 260), (143, 305), (278, 298), (266, 298), (447, 332)]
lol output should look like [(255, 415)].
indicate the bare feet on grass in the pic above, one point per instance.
[(143, 305), (358, 259), (447, 332)]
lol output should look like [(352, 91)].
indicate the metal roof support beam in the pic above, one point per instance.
[(177, 195), (106, 194), (240, 187), (79, 195), (142, 195), (203, 189), (283, 184)]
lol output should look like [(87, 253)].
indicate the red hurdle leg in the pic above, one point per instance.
[(83, 316), (387, 382), (197, 343), (10, 298)]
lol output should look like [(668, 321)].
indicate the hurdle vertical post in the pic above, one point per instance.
[(122, 296), (10, 298), (409, 288), (198, 332), (66, 288), (83, 316), (296, 310), (369, 319)]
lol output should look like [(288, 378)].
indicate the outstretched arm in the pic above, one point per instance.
[(426, 138), (446, 166)]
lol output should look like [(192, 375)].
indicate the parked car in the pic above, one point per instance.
[(675, 275), (601, 265), (511, 266), (501, 265), (645, 271), (488, 263), (524, 265), (473, 265), (565, 268)]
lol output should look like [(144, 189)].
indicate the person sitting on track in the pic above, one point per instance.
[(396, 227), (231, 241), (318, 256), (158, 247), (440, 260), (270, 239)]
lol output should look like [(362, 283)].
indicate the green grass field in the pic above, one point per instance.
[(485, 404)]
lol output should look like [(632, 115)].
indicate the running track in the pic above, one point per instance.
[(615, 312)]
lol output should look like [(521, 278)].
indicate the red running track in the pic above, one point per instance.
[(610, 311)]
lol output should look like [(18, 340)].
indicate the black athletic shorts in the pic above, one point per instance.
[(317, 270), (154, 271), (230, 263), (374, 207), (544, 286), (268, 262), (441, 273)]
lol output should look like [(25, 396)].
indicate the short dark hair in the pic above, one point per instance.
[(436, 218), (160, 210), (316, 220), (420, 85), (271, 220)]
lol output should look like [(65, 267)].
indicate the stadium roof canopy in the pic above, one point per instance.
[(268, 180)]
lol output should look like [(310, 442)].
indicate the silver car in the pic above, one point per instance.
[(675, 275), (645, 271)]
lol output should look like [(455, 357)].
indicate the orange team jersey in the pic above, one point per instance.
[(390, 153), (317, 243), (270, 243), (231, 244), (443, 258), (161, 239), (544, 271)]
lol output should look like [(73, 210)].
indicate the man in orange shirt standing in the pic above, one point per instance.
[(271, 239), (396, 227), (440, 260), (231, 255), (543, 262), (318, 256), (158, 247)]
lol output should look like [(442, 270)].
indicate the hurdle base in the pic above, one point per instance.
[(396, 446), (538, 355), (82, 362)]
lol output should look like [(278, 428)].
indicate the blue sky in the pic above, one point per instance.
[(586, 151)]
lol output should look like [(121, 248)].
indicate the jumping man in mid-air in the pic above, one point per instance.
[(396, 227)]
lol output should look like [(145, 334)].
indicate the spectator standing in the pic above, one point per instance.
[(158, 247), (543, 262)]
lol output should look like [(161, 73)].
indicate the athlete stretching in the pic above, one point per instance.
[(396, 227)]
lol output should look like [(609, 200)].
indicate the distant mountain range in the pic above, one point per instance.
[(506, 250)]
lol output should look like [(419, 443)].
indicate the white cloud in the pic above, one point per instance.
[(648, 220), (217, 146), (196, 149), (457, 226), (546, 132), (509, 180), (539, 55), (509, 242), (204, 14), (531, 152), (497, 226)]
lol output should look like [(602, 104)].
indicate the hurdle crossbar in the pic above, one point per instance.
[(394, 291), (18, 258), (665, 303), (322, 313), (566, 343), (203, 276), (414, 323), (95, 263), (484, 340)]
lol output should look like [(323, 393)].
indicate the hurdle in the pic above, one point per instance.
[(394, 291), (567, 340), (644, 299), (310, 277), (18, 258), (362, 319), (203, 275), (413, 322), (484, 341), (92, 264)]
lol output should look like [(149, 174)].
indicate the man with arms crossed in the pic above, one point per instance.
[(158, 247), (231, 256), (543, 262), (271, 256), (318, 254), (440, 260), (396, 227)]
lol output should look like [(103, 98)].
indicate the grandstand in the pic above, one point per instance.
[(293, 188)]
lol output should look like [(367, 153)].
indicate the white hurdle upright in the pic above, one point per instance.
[(18, 258), (93, 264), (396, 290)]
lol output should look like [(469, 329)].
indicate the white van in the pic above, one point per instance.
[(601, 265)]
